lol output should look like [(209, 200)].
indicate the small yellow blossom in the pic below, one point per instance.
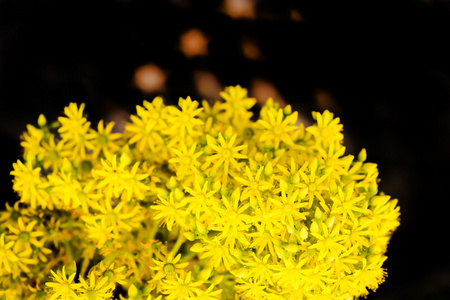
[(31, 142), (104, 140), (169, 267), (147, 126), (226, 154), (53, 151), (186, 162), (7, 256), (29, 183), (180, 287), (97, 288), (185, 121), (170, 211), (25, 235), (63, 286), (113, 273), (277, 127)]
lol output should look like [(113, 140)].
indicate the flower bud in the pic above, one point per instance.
[(133, 291), (205, 274), (362, 156), (304, 233), (71, 269), (42, 121), (268, 169), (172, 183)]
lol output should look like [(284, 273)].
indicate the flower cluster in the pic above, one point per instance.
[(193, 202)]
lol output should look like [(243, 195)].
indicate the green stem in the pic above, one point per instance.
[(84, 266), (153, 230), (180, 240), (112, 256), (68, 250), (72, 225), (189, 255)]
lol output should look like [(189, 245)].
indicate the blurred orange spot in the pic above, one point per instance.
[(207, 84), (250, 49), (296, 15), (118, 116), (150, 78), (325, 100), (193, 42), (240, 8), (263, 90)]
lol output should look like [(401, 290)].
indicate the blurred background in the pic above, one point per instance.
[(381, 66)]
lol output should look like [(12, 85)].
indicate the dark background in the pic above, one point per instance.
[(382, 67)]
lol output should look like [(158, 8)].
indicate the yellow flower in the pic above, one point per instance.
[(184, 122), (186, 163), (66, 188), (327, 129), (202, 197), (97, 289), (118, 181), (252, 289), (345, 203), (226, 154), (99, 232), (288, 209), (210, 293), (180, 287), (319, 278), (215, 252), (278, 128), (170, 211), (53, 152), (7, 256), (25, 235), (30, 185), (232, 221), (63, 286), (74, 121), (122, 217), (114, 274), (314, 184), (265, 220), (260, 269), (253, 184), (146, 127), (212, 116), (31, 143), (292, 274), (236, 100), (370, 275), (169, 266), (74, 130), (328, 242), (104, 141)]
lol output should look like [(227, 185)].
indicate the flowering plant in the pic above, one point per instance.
[(193, 203)]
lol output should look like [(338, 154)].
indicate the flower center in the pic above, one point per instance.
[(288, 208), (86, 166), (226, 153), (278, 130), (102, 139), (169, 269), (109, 274), (185, 118), (24, 236), (233, 215)]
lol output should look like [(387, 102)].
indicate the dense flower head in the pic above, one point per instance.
[(195, 201)]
